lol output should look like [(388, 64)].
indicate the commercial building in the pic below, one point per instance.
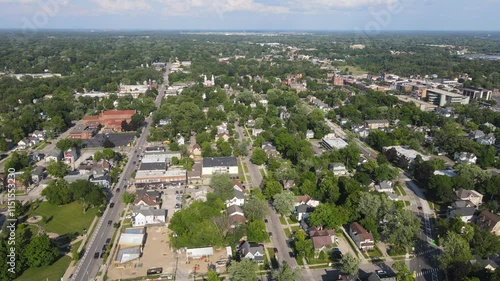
[(84, 131), (158, 176), (477, 93), (402, 156), (442, 98), (338, 80), (333, 144), (111, 120), (376, 124), (225, 165)]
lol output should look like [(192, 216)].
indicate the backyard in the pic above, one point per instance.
[(61, 219)]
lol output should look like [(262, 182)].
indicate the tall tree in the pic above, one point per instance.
[(329, 216), (456, 256), (58, 192), (41, 252), (284, 202), (222, 186), (392, 230), (350, 264), (286, 273), (57, 169), (259, 156), (245, 270), (255, 209)]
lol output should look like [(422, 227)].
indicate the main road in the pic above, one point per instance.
[(89, 266)]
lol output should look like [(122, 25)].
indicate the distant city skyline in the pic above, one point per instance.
[(320, 15)]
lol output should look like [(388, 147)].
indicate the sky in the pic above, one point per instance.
[(355, 15)]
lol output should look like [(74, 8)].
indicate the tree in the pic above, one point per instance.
[(302, 246), (17, 161), (128, 198), (404, 273), (222, 186), (212, 276), (41, 252), (58, 192), (255, 209), (88, 194), (484, 242), (401, 227), (245, 270), (286, 273), (271, 188), (64, 144), (350, 264), (256, 231), (224, 148), (57, 169), (329, 216), (284, 202), (456, 254), (259, 156), (441, 187)]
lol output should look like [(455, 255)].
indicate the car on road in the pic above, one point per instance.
[(266, 221), (107, 241), (157, 270), (102, 255), (291, 254), (104, 248), (275, 250), (178, 206), (270, 234), (118, 189), (110, 222), (111, 205), (96, 255), (419, 207)]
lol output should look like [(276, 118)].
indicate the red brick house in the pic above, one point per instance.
[(111, 120)]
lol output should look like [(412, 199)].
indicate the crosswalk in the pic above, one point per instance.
[(426, 252), (427, 271)]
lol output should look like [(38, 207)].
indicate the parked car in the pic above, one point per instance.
[(178, 206), (270, 234), (275, 250), (96, 255), (157, 270), (265, 220), (110, 222), (111, 205), (107, 241), (118, 189)]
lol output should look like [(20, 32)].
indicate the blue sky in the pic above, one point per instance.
[(252, 14)]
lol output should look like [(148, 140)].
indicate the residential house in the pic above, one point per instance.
[(181, 140), (381, 275), (40, 135), (403, 156), (338, 169), (256, 132), (55, 155), (38, 174), (70, 157), (376, 124), (465, 157), (489, 221), (195, 151), (144, 216), (23, 144), (252, 251), (148, 198), (302, 211), (462, 210), (309, 134), (470, 195), (103, 180), (488, 264), (75, 175), (307, 200), (477, 134), (251, 123), (362, 238), (322, 239), (223, 136), (270, 149), (236, 216), (489, 139), (384, 186), (237, 199)]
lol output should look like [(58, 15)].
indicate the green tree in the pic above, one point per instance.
[(58, 192), (224, 148), (128, 198), (212, 276), (284, 202), (456, 254), (16, 161), (303, 247), (57, 169), (41, 252), (88, 194), (392, 230), (271, 188), (329, 216), (256, 231), (286, 273), (404, 273), (441, 187), (222, 186), (259, 156), (255, 209), (350, 264), (245, 270)]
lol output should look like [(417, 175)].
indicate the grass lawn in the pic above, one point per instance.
[(355, 70), (288, 233), (295, 228), (375, 253), (64, 219), (319, 266), (245, 167), (283, 220), (274, 262), (240, 170), (403, 192), (52, 273), (407, 203)]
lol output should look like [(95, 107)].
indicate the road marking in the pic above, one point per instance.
[(427, 271)]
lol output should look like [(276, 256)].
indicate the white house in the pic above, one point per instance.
[(238, 199), (252, 251), (465, 157), (225, 165), (309, 134), (256, 132), (144, 216), (338, 169)]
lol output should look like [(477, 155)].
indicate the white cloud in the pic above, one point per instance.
[(117, 6), (219, 6), (19, 1)]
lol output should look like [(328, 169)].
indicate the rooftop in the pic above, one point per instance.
[(220, 161)]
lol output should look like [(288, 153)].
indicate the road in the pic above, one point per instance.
[(89, 266)]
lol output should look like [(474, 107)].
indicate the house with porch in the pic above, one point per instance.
[(362, 238), (252, 251)]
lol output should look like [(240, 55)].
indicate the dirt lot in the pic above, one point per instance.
[(158, 253)]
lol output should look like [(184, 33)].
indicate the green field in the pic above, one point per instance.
[(53, 272), (64, 219)]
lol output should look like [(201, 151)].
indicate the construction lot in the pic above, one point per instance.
[(158, 253)]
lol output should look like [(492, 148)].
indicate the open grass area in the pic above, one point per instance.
[(283, 220), (240, 170), (375, 253), (295, 228), (320, 266), (52, 273), (245, 168), (288, 233), (403, 192), (355, 70), (64, 219)]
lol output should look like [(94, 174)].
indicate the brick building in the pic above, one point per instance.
[(111, 120)]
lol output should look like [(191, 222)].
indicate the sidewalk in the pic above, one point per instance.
[(74, 264)]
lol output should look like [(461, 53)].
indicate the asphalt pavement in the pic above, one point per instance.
[(89, 266)]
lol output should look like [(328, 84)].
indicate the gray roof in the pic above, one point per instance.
[(466, 211), (153, 166), (38, 171), (135, 230), (56, 152), (149, 192), (127, 254), (238, 194), (252, 248), (234, 209), (304, 208), (149, 211), (220, 161)]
